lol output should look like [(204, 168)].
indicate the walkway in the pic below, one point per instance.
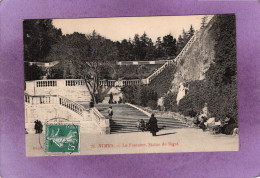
[(167, 141)]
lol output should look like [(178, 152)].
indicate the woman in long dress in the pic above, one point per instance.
[(153, 125)]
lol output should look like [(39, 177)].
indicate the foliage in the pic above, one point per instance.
[(32, 72), (140, 95), (170, 45), (219, 90), (163, 82), (194, 100), (203, 22), (222, 76), (39, 36), (170, 103), (134, 71), (86, 57), (55, 73)]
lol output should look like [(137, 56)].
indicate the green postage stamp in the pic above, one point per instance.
[(62, 138)]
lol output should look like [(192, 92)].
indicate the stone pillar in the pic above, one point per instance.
[(105, 127)]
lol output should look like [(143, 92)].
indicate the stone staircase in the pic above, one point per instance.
[(125, 118)]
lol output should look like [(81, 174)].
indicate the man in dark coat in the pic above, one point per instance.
[(153, 125), (36, 126)]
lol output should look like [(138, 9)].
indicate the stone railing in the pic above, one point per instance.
[(176, 60), (73, 89), (141, 62), (109, 83), (74, 82), (130, 82), (156, 73), (43, 64), (119, 83), (33, 86), (55, 99), (186, 47), (101, 120), (77, 108), (84, 113)]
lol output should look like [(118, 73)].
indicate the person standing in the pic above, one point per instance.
[(153, 125), (110, 112), (36, 126), (110, 98), (40, 126)]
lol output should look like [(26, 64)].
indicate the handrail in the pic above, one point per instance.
[(98, 114), (158, 71), (97, 117), (55, 99), (71, 105)]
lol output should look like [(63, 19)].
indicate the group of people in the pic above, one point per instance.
[(151, 125), (38, 126), (112, 101), (225, 126)]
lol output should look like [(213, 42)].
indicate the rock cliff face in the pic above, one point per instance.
[(196, 61)]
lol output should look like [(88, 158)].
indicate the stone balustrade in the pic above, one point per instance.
[(48, 107), (141, 62), (119, 83), (109, 83), (77, 108), (73, 89), (59, 83)]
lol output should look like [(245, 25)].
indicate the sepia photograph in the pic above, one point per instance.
[(130, 85)]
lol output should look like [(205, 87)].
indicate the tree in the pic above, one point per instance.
[(169, 45), (84, 57), (137, 47), (32, 72), (185, 37), (191, 32), (100, 52), (203, 22), (180, 44), (125, 50), (39, 36), (222, 76), (159, 52), (150, 50)]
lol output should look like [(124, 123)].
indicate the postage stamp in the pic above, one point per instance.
[(62, 138)]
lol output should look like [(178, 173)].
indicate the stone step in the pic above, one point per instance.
[(135, 128), (131, 130), (134, 125), (145, 119), (135, 122)]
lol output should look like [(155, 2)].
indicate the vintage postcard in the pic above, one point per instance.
[(124, 85)]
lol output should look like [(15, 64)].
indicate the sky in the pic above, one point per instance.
[(119, 28)]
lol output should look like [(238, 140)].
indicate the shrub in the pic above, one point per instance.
[(194, 100), (170, 103), (140, 95), (163, 82), (221, 78), (152, 104)]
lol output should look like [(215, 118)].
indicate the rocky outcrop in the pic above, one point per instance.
[(197, 59)]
